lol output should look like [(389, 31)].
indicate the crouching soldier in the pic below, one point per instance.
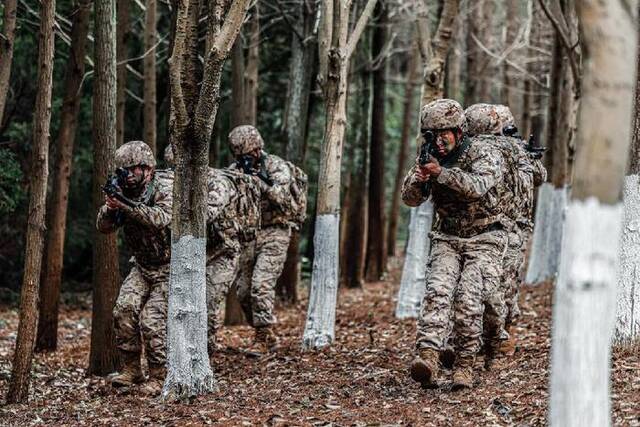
[(464, 179), (261, 264), (141, 205)]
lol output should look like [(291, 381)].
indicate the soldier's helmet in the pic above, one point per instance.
[(488, 119), (245, 139), (134, 153), (169, 158), (443, 114)]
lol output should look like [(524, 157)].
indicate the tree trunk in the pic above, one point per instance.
[(628, 310), (475, 56), (376, 249), (52, 269), (355, 231), (407, 127), (253, 61), (188, 369), (150, 40), (510, 36), (122, 54), (320, 324), (302, 74), (433, 52), (18, 391), (584, 306), (237, 84), (103, 358), (7, 38)]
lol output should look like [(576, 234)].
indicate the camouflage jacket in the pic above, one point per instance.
[(469, 195), (146, 226), (275, 198), (233, 210)]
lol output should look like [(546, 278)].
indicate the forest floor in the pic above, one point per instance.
[(361, 380)]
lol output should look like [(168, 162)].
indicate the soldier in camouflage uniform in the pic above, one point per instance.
[(233, 218), (141, 307), (464, 179), (493, 120), (262, 263)]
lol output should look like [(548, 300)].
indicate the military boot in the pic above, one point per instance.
[(508, 346), (131, 372), (425, 366), (463, 373), (153, 387), (265, 339)]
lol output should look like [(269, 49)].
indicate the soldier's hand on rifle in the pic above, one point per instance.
[(112, 203), (426, 171)]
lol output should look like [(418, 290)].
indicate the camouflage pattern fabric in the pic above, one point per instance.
[(146, 226), (442, 114), (141, 307), (470, 196), (141, 310), (513, 261), (260, 266), (463, 285), (134, 153), (245, 139), (222, 268)]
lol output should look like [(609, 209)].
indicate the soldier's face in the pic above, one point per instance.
[(445, 142), (138, 175)]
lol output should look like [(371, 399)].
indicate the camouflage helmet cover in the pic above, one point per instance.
[(134, 153), (442, 114), (245, 139), (488, 119), (169, 158)]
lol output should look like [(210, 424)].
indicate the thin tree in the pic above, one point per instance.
[(150, 41), (188, 370), (408, 110), (19, 384), (122, 53), (584, 299), (302, 74), (7, 38), (376, 262), (252, 64), (103, 356), (433, 52), (628, 310), (52, 269), (336, 49)]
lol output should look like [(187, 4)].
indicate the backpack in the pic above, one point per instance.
[(242, 216), (299, 187)]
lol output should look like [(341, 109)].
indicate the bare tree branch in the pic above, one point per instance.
[(359, 28)]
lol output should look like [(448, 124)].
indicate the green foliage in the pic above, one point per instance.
[(11, 191)]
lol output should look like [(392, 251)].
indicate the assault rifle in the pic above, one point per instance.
[(114, 185), (427, 153), (534, 149), (246, 164)]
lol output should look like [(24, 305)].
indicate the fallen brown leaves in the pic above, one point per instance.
[(361, 380)]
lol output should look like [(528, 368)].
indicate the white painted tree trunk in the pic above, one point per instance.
[(584, 315), (628, 301), (319, 328), (414, 271), (547, 234), (190, 372)]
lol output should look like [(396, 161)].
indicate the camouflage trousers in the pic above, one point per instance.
[(140, 312), (222, 268), (463, 284), (512, 275), (260, 266)]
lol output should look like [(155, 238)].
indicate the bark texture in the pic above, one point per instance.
[(376, 242), (103, 357), (7, 38), (19, 384), (319, 327), (584, 309), (122, 54), (150, 40), (188, 370), (52, 268)]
